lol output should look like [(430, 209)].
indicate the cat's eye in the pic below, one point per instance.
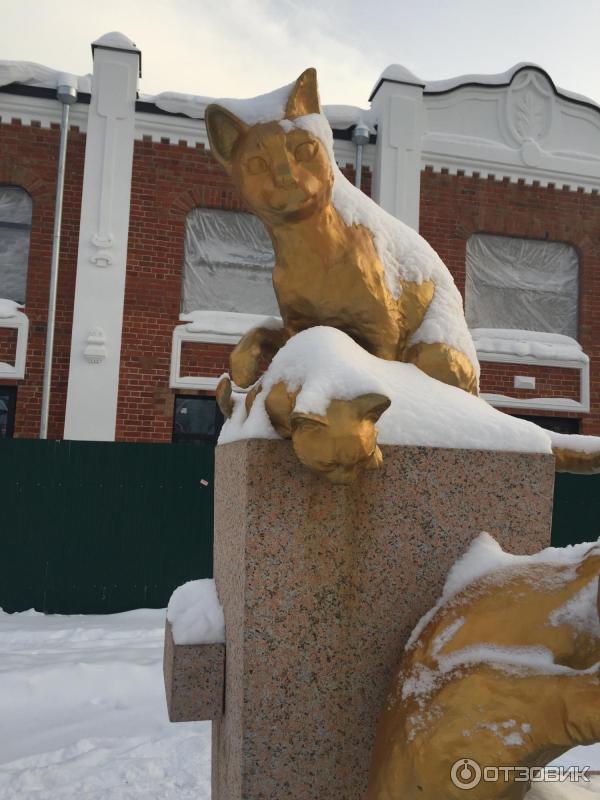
[(256, 165), (306, 151)]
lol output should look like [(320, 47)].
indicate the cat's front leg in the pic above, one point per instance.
[(259, 344)]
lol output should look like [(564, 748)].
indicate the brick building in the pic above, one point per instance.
[(161, 269)]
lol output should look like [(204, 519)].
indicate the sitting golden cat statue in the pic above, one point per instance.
[(503, 672), (341, 260), (350, 444)]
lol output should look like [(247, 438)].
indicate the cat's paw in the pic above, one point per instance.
[(224, 396)]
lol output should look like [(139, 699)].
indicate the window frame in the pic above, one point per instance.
[(197, 439), (19, 321), (20, 226), (11, 411)]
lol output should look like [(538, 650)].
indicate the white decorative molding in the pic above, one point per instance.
[(398, 108), (20, 322), (541, 403), (40, 109), (92, 393), (95, 350), (345, 153), (182, 334), (523, 130), (170, 127)]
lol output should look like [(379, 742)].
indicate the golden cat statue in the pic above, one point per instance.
[(503, 673), (341, 260), (339, 444)]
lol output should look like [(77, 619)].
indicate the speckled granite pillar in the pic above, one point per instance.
[(321, 586)]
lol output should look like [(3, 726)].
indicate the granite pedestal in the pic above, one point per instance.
[(321, 586)]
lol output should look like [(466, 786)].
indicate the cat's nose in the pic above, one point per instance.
[(283, 178)]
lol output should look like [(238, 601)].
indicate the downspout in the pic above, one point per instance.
[(67, 94), (360, 137)]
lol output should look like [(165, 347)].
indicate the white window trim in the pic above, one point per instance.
[(181, 334), (542, 403), (20, 322)]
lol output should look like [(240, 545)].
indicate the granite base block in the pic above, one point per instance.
[(321, 586), (194, 677)]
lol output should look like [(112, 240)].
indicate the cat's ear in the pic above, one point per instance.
[(302, 421), (304, 97), (224, 129), (370, 406)]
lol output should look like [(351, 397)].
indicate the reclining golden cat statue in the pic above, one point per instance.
[(503, 673), (341, 260), (336, 401)]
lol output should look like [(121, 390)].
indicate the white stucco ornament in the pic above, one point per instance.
[(95, 351)]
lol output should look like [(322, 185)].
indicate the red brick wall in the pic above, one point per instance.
[(453, 207), (8, 345), (549, 381), (168, 181), (201, 360), (28, 158)]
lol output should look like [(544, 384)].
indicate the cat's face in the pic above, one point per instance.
[(282, 176), (284, 173), (343, 443)]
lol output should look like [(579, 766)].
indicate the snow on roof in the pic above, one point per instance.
[(396, 72), (115, 39), (32, 74), (500, 79), (340, 117), (538, 344), (325, 364)]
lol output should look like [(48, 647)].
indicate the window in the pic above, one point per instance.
[(522, 284), (228, 263), (15, 228), (8, 396), (197, 420), (557, 424)]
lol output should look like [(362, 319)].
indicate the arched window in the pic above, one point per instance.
[(15, 229), (228, 263), (523, 284)]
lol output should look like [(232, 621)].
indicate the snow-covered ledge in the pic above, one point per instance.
[(11, 317), (210, 327), (539, 349)]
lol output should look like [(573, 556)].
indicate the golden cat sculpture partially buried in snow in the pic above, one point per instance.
[(504, 672)]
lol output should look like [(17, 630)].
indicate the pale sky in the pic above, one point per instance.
[(240, 48)]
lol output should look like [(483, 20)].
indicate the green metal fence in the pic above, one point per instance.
[(576, 516), (94, 527)]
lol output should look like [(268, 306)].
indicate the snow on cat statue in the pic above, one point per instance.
[(341, 260), (335, 401), (504, 672)]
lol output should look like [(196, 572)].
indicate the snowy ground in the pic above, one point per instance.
[(83, 715)]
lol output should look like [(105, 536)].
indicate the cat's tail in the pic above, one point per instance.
[(577, 454)]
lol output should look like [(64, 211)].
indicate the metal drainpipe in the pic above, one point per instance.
[(360, 137), (67, 95)]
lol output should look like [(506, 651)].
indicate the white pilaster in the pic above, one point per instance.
[(397, 101), (101, 264)]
